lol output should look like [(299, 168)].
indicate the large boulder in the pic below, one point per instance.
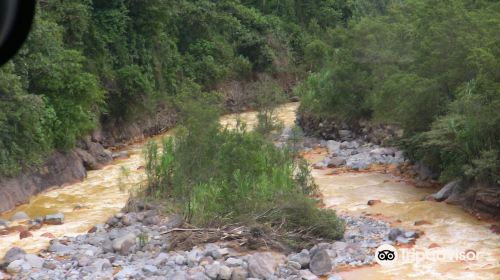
[(89, 161), (321, 264), (123, 243), (359, 161), (262, 265), (447, 190)]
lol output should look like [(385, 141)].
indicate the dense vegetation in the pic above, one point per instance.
[(93, 60), (431, 67), (216, 176)]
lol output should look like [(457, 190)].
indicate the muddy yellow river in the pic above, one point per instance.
[(104, 192)]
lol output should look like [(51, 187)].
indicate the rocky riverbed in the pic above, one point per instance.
[(137, 245), (142, 244)]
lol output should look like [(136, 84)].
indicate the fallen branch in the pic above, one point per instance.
[(189, 229)]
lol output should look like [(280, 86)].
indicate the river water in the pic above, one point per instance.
[(104, 192)]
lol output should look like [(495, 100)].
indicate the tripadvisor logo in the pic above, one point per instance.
[(386, 254)]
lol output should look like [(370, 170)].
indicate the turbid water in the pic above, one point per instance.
[(104, 192)]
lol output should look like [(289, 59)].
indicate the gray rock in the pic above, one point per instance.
[(179, 275), (180, 260), (112, 221), (306, 274), (199, 275), (17, 266), (152, 220), (225, 272), (333, 146), (129, 219), (359, 161), (212, 270), (447, 190), (383, 152), (321, 263), (394, 233), (334, 277), (84, 261), (302, 258), (239, 273), (123, 243), (59, 248), (411, 234), (336, 162), (129, 272), (234, 262), (262, 265), (19, 216), (161, 259), (56, 219), (89, 161), (100, 265), (338, 245), (14, 253), (107, 246), (193, 258), (34, 260), (50, 265), (213, 251), (293, 265), (150, 269), (402, 240)]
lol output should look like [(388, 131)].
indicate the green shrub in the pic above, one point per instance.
[(25, 125), (265, 95), (215, 176)]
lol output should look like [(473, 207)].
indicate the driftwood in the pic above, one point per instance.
[(189, 229)]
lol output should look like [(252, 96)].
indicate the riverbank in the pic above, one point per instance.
[(482, 201), (96, 150), (371, 201)]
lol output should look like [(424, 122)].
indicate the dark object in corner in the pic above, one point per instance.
[(16, 17)]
